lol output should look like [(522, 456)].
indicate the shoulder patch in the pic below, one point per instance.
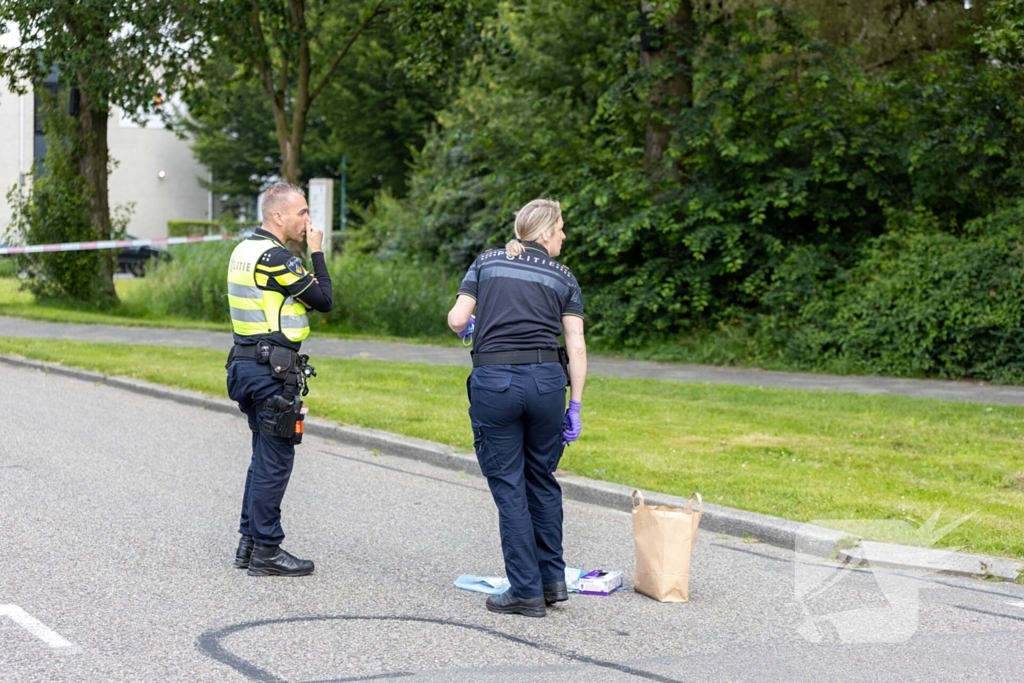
[(295, 266)]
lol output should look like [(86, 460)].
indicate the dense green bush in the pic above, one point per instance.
[(390, 297), (920, 302), (388, 229), (8, 266), (797, 307), (192, 284), (784, 162)]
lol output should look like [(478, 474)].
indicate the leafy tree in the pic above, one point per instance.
[(56, 209), (666, 54), (372, 112), (109, 53), (232, 134), (1003, 36), (293, 49), (522, 123), (883, 34), (786, 144)]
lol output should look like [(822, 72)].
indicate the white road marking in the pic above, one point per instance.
[(36, 627), (1015, 604)]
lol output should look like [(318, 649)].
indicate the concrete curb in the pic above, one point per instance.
[(935, 559), (783, 533)]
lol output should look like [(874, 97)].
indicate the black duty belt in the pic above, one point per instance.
[(516, 357), (261, 353), (244, 352)]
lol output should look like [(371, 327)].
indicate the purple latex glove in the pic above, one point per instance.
[(573, 425), (468, 331)]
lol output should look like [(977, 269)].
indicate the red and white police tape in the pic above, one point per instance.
[(111, 244)]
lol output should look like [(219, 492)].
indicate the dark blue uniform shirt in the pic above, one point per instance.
[(520, 299)]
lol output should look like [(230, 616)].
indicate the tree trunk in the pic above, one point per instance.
[(291, 164), (93, 167), (290, 136), (666, 97), (283, 137), (300, 107)]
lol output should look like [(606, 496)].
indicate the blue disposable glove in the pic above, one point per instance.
[(468, 331), (573, 425)]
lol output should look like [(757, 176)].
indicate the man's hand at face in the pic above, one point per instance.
[(314, 238)]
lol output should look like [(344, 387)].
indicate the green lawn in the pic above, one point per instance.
[(796, 454), (19, 304)]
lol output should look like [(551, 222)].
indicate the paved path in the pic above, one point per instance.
[(117, 567), (978, 392)]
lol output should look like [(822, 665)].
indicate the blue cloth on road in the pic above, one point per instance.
[(491, 585), (572, 579), (496, 585)]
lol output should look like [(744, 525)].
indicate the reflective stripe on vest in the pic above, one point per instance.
[(256, 311)]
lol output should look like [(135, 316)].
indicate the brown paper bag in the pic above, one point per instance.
[(664, 538)]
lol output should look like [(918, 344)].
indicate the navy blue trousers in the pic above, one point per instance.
[(250, 383), (517, 413)]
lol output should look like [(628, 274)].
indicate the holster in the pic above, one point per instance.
[(285, 408), (284, 413)]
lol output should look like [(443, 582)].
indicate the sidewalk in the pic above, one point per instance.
[(975, 392), (802, 538)]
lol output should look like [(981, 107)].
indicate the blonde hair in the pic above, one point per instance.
[(535, 221)]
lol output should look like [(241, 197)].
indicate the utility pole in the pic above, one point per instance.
[(321, 208), (344, 165)]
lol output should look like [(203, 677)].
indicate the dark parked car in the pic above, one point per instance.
[(134, 259)]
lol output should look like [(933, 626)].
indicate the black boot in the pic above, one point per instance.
[(555, 592), (272, 560), (244, 552), (506, 603)]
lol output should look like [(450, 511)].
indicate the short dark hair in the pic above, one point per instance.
[(275, 195)]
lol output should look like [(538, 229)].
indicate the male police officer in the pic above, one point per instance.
[(269, 292)]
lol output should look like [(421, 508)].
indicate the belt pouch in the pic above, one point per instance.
[(281, 362)]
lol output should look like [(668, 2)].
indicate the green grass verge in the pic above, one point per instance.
[(20, 304), (727, 346), (796, 454)]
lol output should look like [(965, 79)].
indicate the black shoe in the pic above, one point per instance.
[(555, 592), (506, 603), (244, 551), (271, 560)]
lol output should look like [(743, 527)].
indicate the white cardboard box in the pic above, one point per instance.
[(600, 582)]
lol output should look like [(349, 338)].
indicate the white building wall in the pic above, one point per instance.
[(15, 147), (140, 155)]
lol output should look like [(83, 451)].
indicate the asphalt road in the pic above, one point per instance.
[(119, 514)]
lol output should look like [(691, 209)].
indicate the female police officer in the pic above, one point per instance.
[(517, 396)]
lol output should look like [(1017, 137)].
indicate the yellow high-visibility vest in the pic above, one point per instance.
[(256, 311)]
